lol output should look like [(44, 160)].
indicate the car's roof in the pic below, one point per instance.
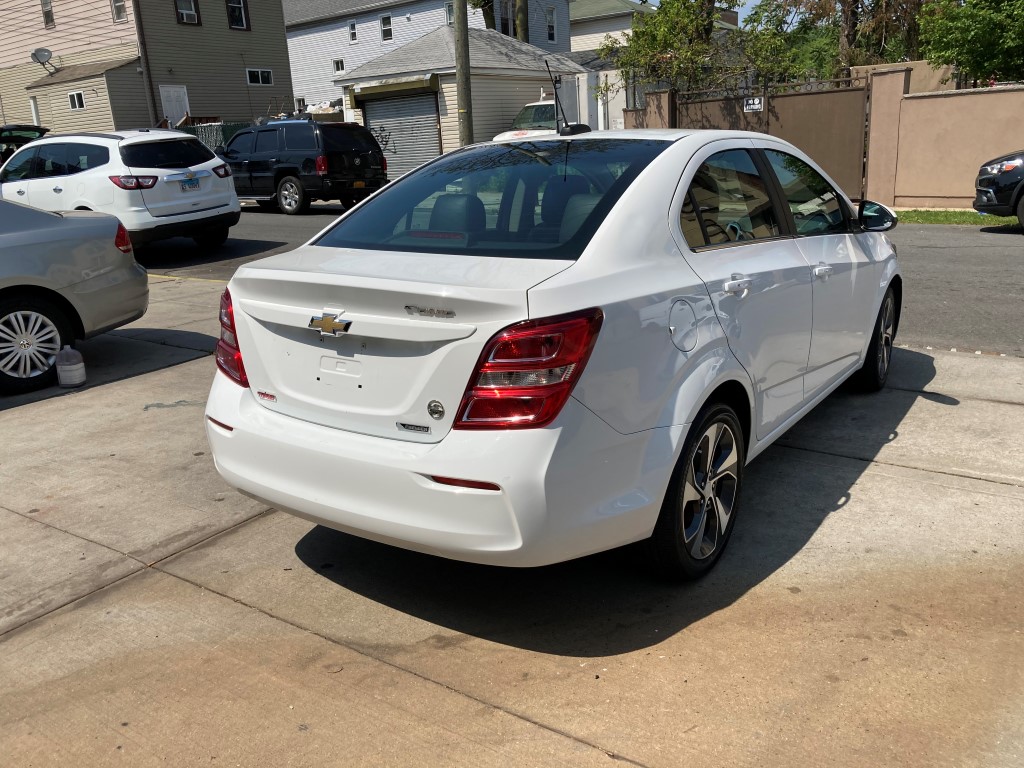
[(658, 134), (139, 136)]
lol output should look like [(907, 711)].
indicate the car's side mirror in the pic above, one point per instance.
[(219, 150), (875, 217)]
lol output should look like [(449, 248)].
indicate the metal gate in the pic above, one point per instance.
[(407, 128), (826, 119)]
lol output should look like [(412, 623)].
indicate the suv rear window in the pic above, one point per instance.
[(167, 153), (531, 200), (299, 136), (345, 138)]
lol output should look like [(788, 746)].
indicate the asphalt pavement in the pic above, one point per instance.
[(868, 611)]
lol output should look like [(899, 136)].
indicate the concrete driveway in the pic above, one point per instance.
[(867, 613)]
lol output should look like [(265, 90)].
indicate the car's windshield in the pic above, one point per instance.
[(529, 199), (535, 117)]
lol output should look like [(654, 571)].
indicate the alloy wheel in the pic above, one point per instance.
[(289, 196), (709, 491), (885, 333), (29, 342)]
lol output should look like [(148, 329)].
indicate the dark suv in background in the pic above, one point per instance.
[(999, 188), (292, 161)]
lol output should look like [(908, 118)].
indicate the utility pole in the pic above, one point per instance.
[(462, 87)]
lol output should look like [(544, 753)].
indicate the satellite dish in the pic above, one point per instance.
[(41, 55)]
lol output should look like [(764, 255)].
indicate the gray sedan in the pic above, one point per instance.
[(63, 276)]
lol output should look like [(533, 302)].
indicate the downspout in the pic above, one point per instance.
[(144, 54)]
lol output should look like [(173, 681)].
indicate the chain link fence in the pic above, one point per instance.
[(214, 135)]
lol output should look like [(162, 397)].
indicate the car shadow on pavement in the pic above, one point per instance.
[(124, 354), (610, 603), (179, 252), (1004, 229)]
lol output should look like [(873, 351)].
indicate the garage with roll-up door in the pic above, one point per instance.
[(407, 128)]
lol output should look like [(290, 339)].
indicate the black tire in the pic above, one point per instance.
[(291, 196), (18, 319), (875, 371), (699, 511), (211, 238)]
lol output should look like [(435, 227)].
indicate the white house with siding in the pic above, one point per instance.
[(329, 39)]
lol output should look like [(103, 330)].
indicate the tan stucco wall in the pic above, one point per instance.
[(945, 137), (924, 78), (887, 90)]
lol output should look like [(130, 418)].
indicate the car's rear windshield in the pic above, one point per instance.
[(167, 153), (529, 199), (346, 138), (535, 117)]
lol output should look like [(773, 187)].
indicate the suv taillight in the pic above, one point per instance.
[(229, 356), (321, 164), (527, 372), (384, 164), (122, 241), (134, 182), (223, 170)]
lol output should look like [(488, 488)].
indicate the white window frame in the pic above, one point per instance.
[(244, 8), (183, 16), (259, 77), (76, 98), (338, 70), (353, 35), (449, 13), (49, 21), (123, 5), (551, 18), (390, 29)]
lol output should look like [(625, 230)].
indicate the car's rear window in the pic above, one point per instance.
[(345, 138), (535, 117), (530, 199), (166, 153)]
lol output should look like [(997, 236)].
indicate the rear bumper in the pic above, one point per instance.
[(111, 300), (333, 189), (183, 227), (570, 490)]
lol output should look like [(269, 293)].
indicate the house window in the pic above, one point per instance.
[(449, 13), (300, 104), (385, 28), (549, 16), (508, 18), (118, 11), (187, 11), (76, 99), (48, 13), (238, 14), (339, 66), (352, 32), (259, 76)]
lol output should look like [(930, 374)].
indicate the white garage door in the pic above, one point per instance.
[(407, 129)]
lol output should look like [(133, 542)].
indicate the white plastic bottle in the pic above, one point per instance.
[(70, 368)]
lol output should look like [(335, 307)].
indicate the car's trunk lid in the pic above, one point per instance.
[(185, 181), (351, 152), (396, 336)]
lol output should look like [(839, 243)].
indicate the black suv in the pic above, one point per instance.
[(293, 161), (999, 187)]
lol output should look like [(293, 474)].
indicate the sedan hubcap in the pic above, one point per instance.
[(709, 491), (29, 343), (885, 332)]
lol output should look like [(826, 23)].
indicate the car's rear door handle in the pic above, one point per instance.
[(20, 191), (822, 270), (739, 284), (58, 189)]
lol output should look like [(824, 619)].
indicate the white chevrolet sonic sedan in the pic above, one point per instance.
[(529, 351)]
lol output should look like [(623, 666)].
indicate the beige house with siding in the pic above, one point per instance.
[(119, 64), (407, 97)]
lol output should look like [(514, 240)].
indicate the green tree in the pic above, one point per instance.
[(983, 38), (678, 46)]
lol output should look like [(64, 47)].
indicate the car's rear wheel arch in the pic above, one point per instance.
[(897, 293), (733, 394), (45, 294)]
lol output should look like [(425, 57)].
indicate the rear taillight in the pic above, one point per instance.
[(321, 164), (223, 170), (229, 356), (384, 164), (134, 182), (121, 240), (527, 372)]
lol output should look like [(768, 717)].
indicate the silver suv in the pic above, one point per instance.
[(159, 183)]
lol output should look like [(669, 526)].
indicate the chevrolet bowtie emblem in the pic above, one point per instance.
[(328, 324)]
